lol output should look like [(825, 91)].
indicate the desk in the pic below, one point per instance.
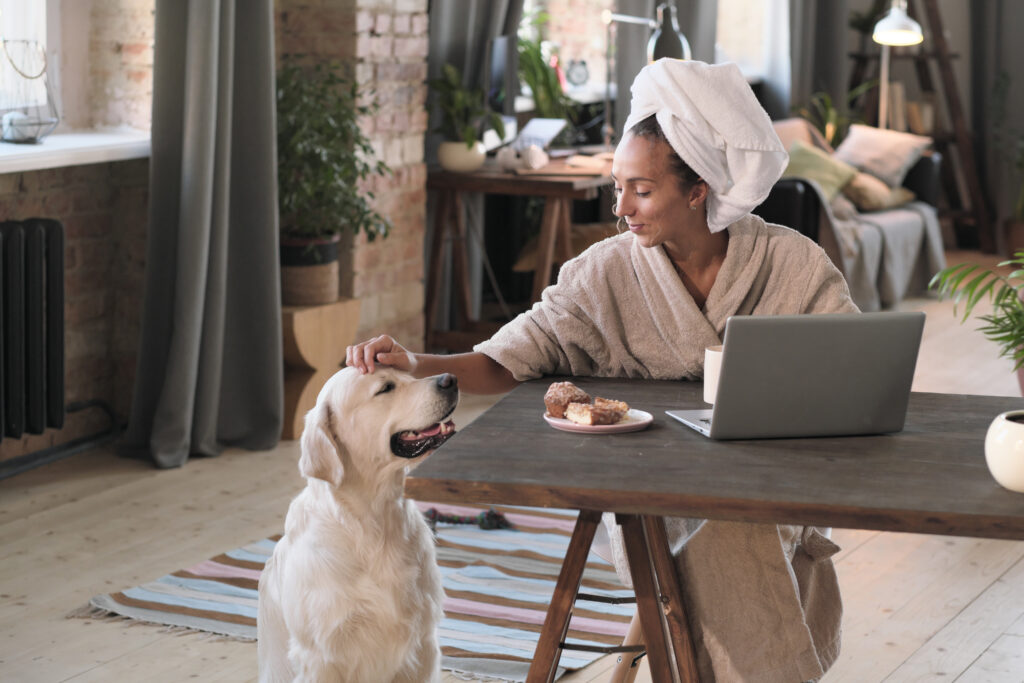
[(554, 246), (930, 478)]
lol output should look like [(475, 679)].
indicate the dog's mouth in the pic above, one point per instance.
[(415, 442)]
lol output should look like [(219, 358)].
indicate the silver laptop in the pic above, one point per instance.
[(812, 375)]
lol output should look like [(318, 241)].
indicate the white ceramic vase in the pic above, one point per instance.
[(456, 156), (1004, 450)]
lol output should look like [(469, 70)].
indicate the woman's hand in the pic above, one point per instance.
[(383, 350)]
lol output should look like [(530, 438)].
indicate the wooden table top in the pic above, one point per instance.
[(929, 478), (492, 180)]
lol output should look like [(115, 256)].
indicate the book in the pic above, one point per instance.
[(897, 106)]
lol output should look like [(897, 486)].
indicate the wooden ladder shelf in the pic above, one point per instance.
[(974, 213)]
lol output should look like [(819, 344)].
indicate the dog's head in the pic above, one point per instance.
[(374, 425)]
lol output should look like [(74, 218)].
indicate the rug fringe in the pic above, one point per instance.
[(470, 676), (91, 611)]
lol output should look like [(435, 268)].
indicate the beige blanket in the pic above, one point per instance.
[(763, 600)]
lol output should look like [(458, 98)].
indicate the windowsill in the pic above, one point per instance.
[(75, 148)]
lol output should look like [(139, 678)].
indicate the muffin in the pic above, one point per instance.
[(560, 394)]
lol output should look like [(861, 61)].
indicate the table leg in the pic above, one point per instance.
[(433, 293), (460, 264), (671, 597), (556, 622), (554, 242), (648, 602)]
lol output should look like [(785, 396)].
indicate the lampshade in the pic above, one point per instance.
[(897, 28), (667, 40)]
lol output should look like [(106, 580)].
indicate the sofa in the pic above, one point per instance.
[(870, 203)]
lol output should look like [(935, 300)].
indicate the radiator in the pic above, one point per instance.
[(31, 326)]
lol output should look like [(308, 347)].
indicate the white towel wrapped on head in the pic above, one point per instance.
[(715, 124)]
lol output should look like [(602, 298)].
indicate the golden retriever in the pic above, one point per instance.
[(352, 591)]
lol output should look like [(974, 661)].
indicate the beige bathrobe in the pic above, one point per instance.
[(763, 600)]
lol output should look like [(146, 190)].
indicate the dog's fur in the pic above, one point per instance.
[(352, 592)]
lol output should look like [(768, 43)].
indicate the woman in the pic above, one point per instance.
[(698, 155)]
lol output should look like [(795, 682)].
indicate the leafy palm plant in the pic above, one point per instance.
[(829, 119), (323, 155), (464, 115), (968, 284)]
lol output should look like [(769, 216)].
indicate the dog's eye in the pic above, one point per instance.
[(388, 386)]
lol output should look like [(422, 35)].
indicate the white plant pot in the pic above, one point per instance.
[(456, 156), (1004, 450)]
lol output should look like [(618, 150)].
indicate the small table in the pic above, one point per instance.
[(929, 478), (559, 186)]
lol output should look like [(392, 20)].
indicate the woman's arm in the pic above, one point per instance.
[(477, 373)]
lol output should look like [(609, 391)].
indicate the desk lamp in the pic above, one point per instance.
[(666, 41), (895, 28)]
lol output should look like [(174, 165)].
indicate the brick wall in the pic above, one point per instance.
[(121, 62), (103, 209), (384, 44), (106, 63), (575, 27)]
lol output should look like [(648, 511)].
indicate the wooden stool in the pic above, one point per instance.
[(315, 338)]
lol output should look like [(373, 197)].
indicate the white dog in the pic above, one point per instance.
[(352, 591)]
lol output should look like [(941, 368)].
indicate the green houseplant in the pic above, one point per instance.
[(968, 284), (464, 118), (323, 161), (830, 120)]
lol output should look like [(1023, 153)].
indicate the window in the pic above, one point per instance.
[(752, 33), (23, 58)]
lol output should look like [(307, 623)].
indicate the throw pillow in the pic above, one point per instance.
[(886, 154), (871, 194), (814, 164), (843, 209)]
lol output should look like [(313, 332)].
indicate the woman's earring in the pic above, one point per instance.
[(693, 207)]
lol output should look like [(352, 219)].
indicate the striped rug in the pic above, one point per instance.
[(498, 584)]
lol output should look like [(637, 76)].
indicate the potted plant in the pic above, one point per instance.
[(830, 121), (968, 284), (323, 161), (464, 118)]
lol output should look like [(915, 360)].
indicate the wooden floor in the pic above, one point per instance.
[(918, 608)]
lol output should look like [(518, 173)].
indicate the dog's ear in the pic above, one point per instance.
[(320, 457)]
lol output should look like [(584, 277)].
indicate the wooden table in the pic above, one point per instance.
[(554, 246), (929, 478)]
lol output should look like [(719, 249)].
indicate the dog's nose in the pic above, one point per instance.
[(447, 381)]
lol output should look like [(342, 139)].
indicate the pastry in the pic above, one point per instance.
[(593, 414), (620, 406), (561, 394)]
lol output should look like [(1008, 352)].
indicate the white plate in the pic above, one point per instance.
[(634, 421)]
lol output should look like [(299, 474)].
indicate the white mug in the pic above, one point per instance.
[(712, 366)]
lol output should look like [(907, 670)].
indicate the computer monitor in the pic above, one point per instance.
[(500, 81)]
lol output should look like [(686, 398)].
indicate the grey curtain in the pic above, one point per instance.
[(996, 47), (697, 21), (819, 43), (460, 34), (210, 372)]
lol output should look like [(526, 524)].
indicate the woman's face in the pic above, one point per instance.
[(648, 194)]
